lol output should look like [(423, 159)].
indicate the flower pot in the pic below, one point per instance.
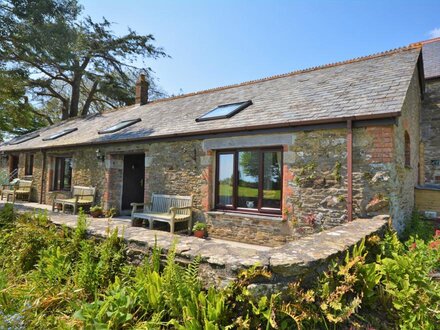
[(137, 223), (199, 233), (95, 214)]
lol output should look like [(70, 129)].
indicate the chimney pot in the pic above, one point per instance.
[(141, 90)]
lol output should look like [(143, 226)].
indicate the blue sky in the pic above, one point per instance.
[(217, 43)]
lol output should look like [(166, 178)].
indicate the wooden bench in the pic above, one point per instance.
[(164, 208), (79, 197), (17, 188)]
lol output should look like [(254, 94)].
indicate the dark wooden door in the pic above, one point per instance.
[(13, 167), (133, 180)]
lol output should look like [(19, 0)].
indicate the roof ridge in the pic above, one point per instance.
[(293, 73), (427, 41)]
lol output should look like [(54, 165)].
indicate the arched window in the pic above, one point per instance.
[(407, 150)]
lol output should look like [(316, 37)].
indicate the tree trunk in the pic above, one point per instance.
[(65, 110), (76, 92), (86, 107)]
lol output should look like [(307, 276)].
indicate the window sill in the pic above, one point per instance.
[(253, 215)]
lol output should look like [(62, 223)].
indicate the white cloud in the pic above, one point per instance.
[(435, 33)]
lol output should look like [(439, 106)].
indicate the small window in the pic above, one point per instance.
[(22, 139), (407, 150), (224, 111), (249, 179), (63, 173), (29, 164), (119, 126), (60, 134)]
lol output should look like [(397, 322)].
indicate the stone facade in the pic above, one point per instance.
[(314, 184), (430, 128)]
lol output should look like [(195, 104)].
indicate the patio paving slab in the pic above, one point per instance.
[(298, 258)]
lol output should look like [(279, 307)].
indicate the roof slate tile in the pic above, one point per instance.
[(374, 85)]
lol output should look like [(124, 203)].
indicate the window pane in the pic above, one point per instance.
[(272, 179), (225, 179), (59, 134), (57, 185), (248, 169), (29, 164), (224, 111), (67, 173), (119, 126)]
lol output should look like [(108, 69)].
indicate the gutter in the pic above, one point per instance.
[(258, 129)]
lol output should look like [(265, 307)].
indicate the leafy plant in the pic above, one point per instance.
[(60, 278), (110, 213), (199, 226), (7, 214)]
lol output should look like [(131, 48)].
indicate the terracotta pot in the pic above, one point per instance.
[(199, 233), (96, 214)]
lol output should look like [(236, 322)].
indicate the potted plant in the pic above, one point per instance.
[(110, 213), (199, 229), (96, 211)]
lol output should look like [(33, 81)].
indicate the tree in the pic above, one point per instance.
[(68, 62), (16, 115)]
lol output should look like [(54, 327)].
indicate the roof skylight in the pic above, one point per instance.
[(60, 134), (119, 126), (224, 111), (22, 139)]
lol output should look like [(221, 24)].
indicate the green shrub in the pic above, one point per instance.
[(58, 278), (7, 214), (418, 227)]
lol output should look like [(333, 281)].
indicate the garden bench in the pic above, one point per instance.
[(17, 188), (164, 208), (79, 197)]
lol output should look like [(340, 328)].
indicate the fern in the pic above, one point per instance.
[(191, 274)]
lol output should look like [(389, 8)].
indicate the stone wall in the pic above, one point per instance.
[(86, 171), (314, 179), (406, 175), (319, 185), (178, 168), (250, 228), (430, 128), (318, 189)]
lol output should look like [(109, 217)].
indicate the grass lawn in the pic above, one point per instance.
[(249, 192)]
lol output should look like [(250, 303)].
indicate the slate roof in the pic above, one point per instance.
[(373, 85), (431, 58)]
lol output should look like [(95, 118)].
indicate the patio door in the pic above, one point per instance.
[(133, 180)]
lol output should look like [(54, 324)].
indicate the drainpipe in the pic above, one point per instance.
[(349, 170), (43, 173)]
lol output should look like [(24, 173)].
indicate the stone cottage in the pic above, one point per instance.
[(266, 160)]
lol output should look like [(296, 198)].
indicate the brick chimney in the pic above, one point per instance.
[(141, 90)]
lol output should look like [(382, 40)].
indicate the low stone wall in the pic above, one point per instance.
[(223, 260), (249, 228), (305, 258)]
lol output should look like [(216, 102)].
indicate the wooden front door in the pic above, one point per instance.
[(133, 180), (13, 167)]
